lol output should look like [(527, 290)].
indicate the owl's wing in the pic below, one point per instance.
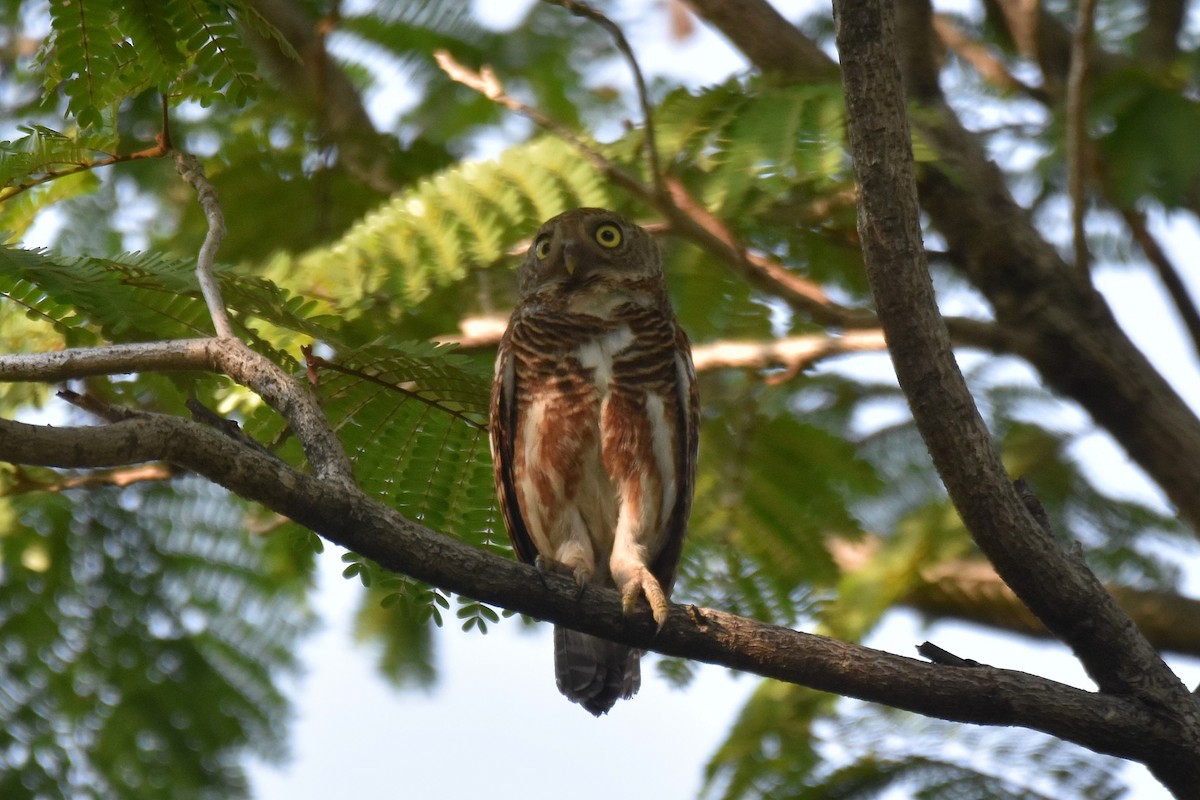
[(687, 422), (502, 432)]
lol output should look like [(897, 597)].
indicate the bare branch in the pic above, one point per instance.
[(190, 170), (986, 63), (1078, 146), (119, 477), (793, 354), (618, 37), (117, 359), (1167, 273), (1057, 586), (770, 40), (982, 695), (969, 589), (230, 357), (8, 192), (487, 83)]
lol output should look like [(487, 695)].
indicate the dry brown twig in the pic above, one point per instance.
[(1078, 145)]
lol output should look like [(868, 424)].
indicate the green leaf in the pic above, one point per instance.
[(146, 619)]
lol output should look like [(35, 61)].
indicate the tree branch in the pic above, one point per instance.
[(1057, 322), (986, 63), (1167, 273), (771, 43), (1059, 588), (1078, 145), (983, 695), (192, 172), (226, 356), (969, 589)]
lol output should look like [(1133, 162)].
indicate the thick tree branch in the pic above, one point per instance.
[(1059, 588), (1109, 724), (771, 43)]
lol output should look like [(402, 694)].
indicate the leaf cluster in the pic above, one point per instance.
[(101, 52), (126, 617)]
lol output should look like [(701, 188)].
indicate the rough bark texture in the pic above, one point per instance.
[(1057, 587)]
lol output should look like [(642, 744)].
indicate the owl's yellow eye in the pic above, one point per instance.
[(541, 248), (608, 235)]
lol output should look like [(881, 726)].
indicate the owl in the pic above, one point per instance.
[(594, 423)]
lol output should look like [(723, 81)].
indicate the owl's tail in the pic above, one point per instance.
[(594, 672)]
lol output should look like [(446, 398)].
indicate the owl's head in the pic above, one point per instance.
[(587, 246)]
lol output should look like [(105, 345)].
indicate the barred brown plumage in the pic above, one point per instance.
[(594, 424)]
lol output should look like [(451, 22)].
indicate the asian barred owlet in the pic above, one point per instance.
[(594, 422)]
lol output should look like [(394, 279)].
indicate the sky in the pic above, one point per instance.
[(495, 725)]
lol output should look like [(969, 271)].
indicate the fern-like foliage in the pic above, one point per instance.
[(759, 156), (465, 217), (141, 297), (43, 152), (413, 419), (756, 545), (142, 642), (107, 50), (758, 142), (794, 742)]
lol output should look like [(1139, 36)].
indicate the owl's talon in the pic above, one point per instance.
[(548, 566), (643, 583), (582, 576)]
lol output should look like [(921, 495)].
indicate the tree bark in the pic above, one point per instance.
[(1058, 588)]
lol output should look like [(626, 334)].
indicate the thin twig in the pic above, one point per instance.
[(121, 477), (985, 62), (1077, 141), (190, 170), (618, 36), (487, 83), (9, 192), (1167, 273)]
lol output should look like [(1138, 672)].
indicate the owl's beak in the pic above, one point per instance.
[(570, 254)]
